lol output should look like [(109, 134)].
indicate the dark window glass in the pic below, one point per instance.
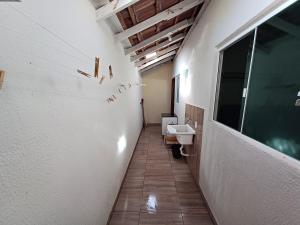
[(271, 115), (234, 73)]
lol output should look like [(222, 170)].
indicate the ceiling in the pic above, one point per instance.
[(151, 31)]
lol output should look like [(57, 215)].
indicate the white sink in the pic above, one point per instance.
[(183, 133)]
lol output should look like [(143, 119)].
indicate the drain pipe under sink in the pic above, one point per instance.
[(182, 153)]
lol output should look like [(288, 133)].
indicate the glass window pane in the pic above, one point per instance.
[(271, 115), (235, 67)]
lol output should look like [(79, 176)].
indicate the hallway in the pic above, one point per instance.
[(79, 79), (158, 189)]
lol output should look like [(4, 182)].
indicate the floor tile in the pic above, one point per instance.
[(158, 156), (159, 181), (144, 140), (160, 203), (158, 189), (139, 155), (133, 182), (157, 149), (138, 164), (195, 211), (158, 161), (186, 187), (164, 166), (197, 219), (129, 200), (157, 199), (141, 147), (139, 172), (161, 219), (181, 175), (127, 218), (191, 201), (158, 170)]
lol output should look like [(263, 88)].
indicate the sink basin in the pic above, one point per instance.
[(183, 133)]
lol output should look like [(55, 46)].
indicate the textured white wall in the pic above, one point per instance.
[(59, 158), (245, 182)]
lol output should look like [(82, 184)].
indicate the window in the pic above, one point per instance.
[(177, 88), (259, 83), (235, 69)]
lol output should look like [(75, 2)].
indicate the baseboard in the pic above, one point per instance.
[(209, 210), (123, 180)]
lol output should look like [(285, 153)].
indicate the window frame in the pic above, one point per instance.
[(270, 11), (219, 77), (253, 25)]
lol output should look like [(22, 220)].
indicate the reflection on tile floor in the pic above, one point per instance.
[(158, 189)]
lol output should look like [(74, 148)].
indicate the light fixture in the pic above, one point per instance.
[(150, 55)]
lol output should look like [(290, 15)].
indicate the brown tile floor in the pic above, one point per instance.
[(158, 189)]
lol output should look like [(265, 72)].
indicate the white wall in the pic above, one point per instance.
[(157, 92), (245, 182), (61, 161)]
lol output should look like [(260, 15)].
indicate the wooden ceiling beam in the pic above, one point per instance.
[(198, 17), (158, 8), (143, 5), (157, 60), (167, 14), (178, 37), (165, 33), (156, 64), (133, 18), (112, 8), (159, 54)]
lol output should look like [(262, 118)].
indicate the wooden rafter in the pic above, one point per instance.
[(160, 53), (165, 33), (156, 64), (196, 20), (175, 39), (157, 60), (133, 18), (162, 16), (112, 8), (151, 26)]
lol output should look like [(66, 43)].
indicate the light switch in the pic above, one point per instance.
[(196, 124)]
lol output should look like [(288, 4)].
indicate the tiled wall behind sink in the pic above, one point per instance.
[(194, 114)]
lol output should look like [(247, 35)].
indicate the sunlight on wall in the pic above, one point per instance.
[(186, 81), (122, 144)]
